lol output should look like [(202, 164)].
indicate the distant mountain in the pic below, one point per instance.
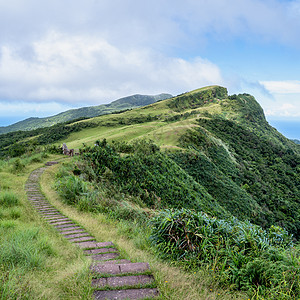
[(296, 141), (129, 102)]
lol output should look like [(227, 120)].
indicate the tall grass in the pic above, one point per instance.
[(25, 248), (8, 199), (12, 284)]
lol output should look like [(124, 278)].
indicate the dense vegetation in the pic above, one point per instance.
[(241, 255), (261, 179), (194, 99), (151, 175)]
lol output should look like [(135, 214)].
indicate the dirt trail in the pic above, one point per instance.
[(113, 277)]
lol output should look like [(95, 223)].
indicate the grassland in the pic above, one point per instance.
[(129, 102), (35, 262)]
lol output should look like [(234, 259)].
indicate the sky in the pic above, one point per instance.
[(57, 55)]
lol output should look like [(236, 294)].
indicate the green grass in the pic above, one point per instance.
[(35, 262), (8, 199)]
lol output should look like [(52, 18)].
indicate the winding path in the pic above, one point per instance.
[(113, 278)]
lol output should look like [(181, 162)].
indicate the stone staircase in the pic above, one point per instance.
[(113, 277)]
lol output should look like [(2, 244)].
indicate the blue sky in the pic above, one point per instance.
[(56, 55)]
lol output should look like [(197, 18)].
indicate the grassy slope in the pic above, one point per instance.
[(160, 129), (165, 134), (240, 161), (64, 272), (171, 121)]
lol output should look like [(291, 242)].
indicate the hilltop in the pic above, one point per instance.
[(129, 102)]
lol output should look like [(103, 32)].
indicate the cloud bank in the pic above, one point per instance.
[(86, 68), (85, 52)]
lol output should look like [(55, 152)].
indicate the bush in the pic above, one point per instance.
[(151, 175), (18, 165), (71, 187), (243, 255)]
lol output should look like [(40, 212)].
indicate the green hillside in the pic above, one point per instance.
[(223, 142), (219, 185), (85, 112)]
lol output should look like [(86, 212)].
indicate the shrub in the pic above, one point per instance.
[(71, 187), (243, 255), (150, 174), (18, 165)]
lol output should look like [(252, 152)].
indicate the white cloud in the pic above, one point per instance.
[(285, 102), (282, 87), (287, 110), (80, 67)]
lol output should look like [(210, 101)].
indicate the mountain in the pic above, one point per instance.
[(296, 141), (217, 154), (129, 102)]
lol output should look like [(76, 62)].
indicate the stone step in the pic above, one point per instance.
[(65, 225), (41, 205), (115, 269), (118, 281), (105, 256), (126, 294), (82, 239), (53, 217), (45, 214), (99, 250), (75, 235), (116, 261), (47, 210), (67, 231), (58, 220), (63, 228), (93, 245), (39, 201), (57, 223), (48, 213)]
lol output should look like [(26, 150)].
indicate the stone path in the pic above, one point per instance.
[(113, 277)]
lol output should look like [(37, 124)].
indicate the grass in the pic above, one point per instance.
[(161, 132), (130, 239), (35, 263)]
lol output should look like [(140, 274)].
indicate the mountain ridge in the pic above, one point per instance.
[(123, 103)]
